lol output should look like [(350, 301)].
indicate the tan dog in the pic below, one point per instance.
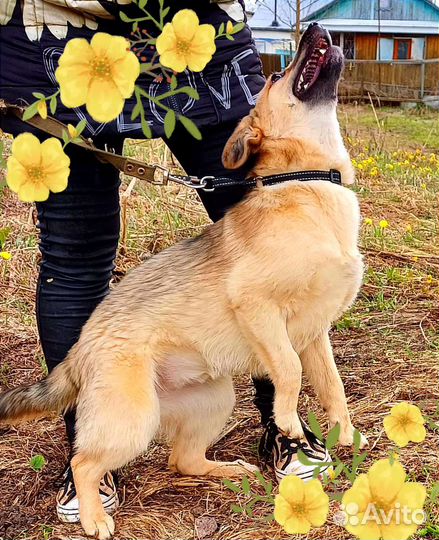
[(255, 293)]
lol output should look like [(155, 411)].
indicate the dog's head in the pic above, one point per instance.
[(294, 124)]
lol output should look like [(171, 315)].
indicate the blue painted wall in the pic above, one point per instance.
[(401, 10)]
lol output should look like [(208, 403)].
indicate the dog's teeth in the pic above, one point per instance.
[(322, 51)]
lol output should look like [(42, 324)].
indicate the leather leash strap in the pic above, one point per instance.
[(127, 165)]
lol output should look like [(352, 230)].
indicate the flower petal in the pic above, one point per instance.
[(16, 174), (385, 479), (395, 431), (416, 432), (204, 39), (124, 73), (412, 495), (292, 488), (76, 52), (366, 531), (104, 101), (185, 23), (358, 494), (297, 524), (316, 503), (401, 409), (167, 40), (26, 148), (415, 414), (33, 191), (399, 531), (197, 62), (174, 60), (74, 82), (107, 46), (53, 157), (282, 509), (57, 181)]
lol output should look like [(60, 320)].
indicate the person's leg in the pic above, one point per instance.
[(79, 233)]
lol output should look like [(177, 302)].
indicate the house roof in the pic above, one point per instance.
[(315, 9)]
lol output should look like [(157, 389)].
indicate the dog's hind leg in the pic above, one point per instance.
[(194, 417), (117, 416)]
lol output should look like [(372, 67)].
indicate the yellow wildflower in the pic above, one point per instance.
[(374, 172), (404, 424), (300, 505), (100, 74), (381, 504), (424, 186), (409, 228), (185, 42), (35, 168), (368, 221), (5, 255), (429, 279), (42, 109), (415, 258), (384, 224), (360, 166)]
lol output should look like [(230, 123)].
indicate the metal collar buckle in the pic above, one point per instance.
[(204, 183)]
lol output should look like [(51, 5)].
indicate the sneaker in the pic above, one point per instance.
[(67, 504), (279, 452)]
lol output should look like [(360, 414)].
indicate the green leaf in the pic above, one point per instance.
[(230, 485), (333, 436), (146, 129), (301, 456), (136, 111), (165, 12), (191, 127), (52, 105), (237, 509), (81, 126), (65, 137), (124, 17), (221, 28), (238, 27), (2, 160), (173, 82), (245, 485), (191, 92), (170, 120), (434, 492), (357, 441), (135, 26), (38, 95), (4, 233), (37, 462), (142, 3), (230, 38), (30, 111), (315, 426)]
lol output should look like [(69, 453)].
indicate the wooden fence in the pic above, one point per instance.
[(388, 80)]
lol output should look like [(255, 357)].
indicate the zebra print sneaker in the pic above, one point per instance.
[(279, 452), (67, 504)]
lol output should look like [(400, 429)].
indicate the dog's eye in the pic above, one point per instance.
[(276, 76)]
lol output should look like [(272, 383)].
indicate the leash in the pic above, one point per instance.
[(157, 174)]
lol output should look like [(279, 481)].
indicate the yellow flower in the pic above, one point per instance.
[(404, 424), (384, 224), (415, 258), (229, 27), (5, 255), (424, 186), (35, 168), (409, 228), (429, 279), (380, 504), (100, 74), (42, 109), (300, 505), (368, 221), (186, 43)]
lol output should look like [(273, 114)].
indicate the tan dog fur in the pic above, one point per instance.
[(255, 293)]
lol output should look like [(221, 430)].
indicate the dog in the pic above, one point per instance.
[(255, 293)]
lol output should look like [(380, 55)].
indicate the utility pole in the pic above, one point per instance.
[(297, 33)]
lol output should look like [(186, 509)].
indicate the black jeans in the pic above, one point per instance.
[(79, 231)]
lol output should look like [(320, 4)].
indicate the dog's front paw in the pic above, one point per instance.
[(347, 438), (100, 526), (290, 425)]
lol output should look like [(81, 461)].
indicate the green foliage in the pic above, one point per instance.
[(37, 463), (252, 498)]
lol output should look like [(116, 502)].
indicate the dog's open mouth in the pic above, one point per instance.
[(312, 65)]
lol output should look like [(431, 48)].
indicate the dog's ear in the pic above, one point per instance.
[(244, 141)]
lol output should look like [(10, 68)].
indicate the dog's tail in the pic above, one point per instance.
[(57, 392)]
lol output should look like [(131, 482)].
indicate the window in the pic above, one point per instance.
[(402, 49), (335, 38), (349, 45)]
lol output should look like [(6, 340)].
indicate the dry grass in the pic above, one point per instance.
[(387, 350)]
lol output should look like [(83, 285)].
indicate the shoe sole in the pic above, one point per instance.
[(71, 515)]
